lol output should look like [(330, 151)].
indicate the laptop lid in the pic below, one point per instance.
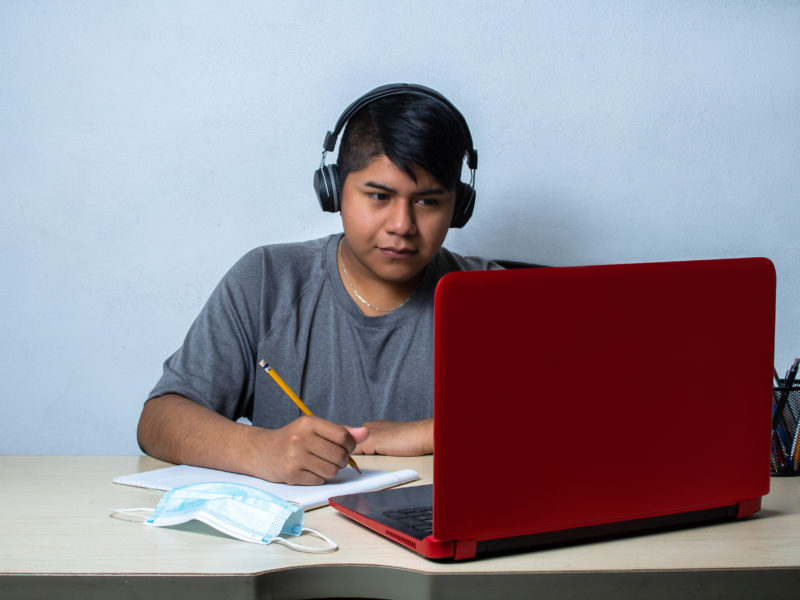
[(572, 398)]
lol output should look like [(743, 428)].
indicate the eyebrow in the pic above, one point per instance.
[(386, 188)]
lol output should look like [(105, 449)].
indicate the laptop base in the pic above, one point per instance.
[(370, 510)]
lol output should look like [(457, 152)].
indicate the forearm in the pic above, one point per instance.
[(175, 429), (398, 438), (307, 451)]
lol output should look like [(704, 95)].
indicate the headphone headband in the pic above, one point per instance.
[(394, 89)]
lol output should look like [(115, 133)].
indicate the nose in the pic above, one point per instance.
[(401, 220)]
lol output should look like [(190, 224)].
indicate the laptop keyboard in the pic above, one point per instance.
[(419, 519)]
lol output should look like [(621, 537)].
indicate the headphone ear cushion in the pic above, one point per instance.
[(326, 185), (465, 204)]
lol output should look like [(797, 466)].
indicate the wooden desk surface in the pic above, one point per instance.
[(54, 521)]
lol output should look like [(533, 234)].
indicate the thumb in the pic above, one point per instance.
[(359, 433)]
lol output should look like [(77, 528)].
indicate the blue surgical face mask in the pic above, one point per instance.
[(240, 511)]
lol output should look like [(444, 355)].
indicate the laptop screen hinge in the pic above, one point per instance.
[(465, 549)]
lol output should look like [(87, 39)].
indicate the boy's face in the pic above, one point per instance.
[(394, 225)]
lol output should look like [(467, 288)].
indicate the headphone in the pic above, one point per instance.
[(326, 179)]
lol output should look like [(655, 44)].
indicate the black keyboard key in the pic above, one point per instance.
[(419, 519)]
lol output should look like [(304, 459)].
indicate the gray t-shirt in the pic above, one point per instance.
[(286, 304)]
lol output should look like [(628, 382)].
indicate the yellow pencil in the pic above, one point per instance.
[(300, 404)]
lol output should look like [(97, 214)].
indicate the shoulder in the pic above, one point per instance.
[(286, 254), (281, 262), (275, 275), (447, 261)]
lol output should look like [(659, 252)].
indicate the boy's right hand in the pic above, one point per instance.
[(307, 451)]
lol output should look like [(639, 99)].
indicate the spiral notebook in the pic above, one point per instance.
[(347, 481)]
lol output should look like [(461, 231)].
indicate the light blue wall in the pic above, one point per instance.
[(144, 146)]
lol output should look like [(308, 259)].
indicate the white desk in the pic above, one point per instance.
[(58, 540)]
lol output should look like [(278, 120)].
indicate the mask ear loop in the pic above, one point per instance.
[(332, 546), (141, 514), (131, 512)]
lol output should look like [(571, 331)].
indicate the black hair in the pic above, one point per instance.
[(409, 129)]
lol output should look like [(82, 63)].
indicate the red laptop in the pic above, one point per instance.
[(572, 403)]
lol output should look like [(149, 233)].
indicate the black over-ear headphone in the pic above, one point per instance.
[(326, 178)]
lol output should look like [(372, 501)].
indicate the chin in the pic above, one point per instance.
[(395, 276)]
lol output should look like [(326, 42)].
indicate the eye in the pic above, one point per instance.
[(378, 196), (428, 201)]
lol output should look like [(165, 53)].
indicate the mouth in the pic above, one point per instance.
[(397, 252)]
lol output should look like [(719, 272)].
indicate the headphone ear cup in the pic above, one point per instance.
[(326, 185), (465, 204)]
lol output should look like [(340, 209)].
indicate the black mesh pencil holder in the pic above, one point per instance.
[(785, 455)]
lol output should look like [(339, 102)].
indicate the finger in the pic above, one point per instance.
[(325, 450), (359, 434), (305, 477), (307, 467), (366, 448), (336, 434)]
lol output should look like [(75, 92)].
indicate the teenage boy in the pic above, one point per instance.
[(347, 320)]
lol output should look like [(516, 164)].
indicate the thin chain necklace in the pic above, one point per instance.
[(359, 296)]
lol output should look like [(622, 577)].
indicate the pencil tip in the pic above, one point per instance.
[(264, 364)]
